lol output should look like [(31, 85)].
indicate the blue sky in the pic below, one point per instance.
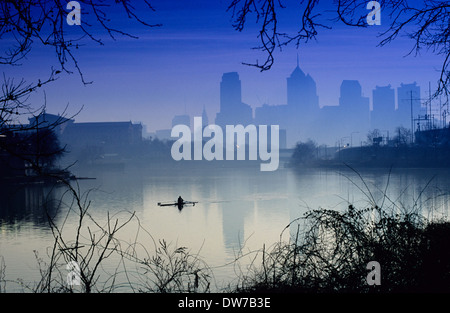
[(178, 66)]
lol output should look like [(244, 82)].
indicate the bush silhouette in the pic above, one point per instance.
[(331, 249)]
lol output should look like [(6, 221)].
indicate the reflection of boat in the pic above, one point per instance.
[(178, 204)]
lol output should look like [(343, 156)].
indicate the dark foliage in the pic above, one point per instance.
[(332, 251), (36, 149), (304, 153)]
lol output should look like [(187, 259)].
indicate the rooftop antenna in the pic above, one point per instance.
[(297, 61)]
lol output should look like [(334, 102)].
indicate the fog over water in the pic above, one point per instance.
[(239, 208)]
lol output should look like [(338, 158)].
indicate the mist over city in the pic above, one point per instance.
[(224, 147)]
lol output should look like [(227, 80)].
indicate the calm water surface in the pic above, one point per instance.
[(239, 209)]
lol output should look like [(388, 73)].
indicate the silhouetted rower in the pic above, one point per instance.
[(180, 201)]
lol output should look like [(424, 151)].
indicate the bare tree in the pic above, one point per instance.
[(426, 23), (28, 23), (402, 136), (374, 137), (38, 23)]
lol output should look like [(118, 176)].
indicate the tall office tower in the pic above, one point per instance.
[(302, 92), (383, 108), (354, 109), (408, 105), (302, 105), (351, 98), (232, 110)]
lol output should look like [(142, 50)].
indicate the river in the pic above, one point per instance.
[(239, 210)]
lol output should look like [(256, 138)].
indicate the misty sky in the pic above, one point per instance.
[(179, 66)]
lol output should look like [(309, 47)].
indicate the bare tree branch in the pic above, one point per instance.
[(426, 23)]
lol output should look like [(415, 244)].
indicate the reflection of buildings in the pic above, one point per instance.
[(34, 202)]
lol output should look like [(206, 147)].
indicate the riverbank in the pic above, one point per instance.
[(382, 157), (368, 250)]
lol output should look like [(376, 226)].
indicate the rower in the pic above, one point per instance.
[(180, 200)]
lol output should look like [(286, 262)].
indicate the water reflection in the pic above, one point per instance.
[(238, 209), (243, 197), (28, 203)]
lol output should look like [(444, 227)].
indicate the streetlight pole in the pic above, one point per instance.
[(340, 146), (351, 138)]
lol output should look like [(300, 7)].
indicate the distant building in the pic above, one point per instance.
[(232, 110), (302, 105), (347, 122), (89, 134), (181, 120), (164, 134), (56, 122), (302, 93), (110, 134), (351, 98), (354, 108), (272, 115), (302, 118), (298, 118), (25, 148), (408, 104), (383, 114)]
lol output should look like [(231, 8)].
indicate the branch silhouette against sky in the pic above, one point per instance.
[(426, 23)]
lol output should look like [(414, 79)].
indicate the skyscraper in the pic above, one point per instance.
[(302, 105), (351, 97), (302, 92), (408, 104), (354, 109), (383, 108), (232, 110)]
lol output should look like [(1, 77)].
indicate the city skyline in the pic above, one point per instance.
[(389, 108), (177, 68)]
